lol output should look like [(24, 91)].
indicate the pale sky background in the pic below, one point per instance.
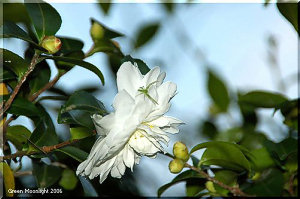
[(233, 39)]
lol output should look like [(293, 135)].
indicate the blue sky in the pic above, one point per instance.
[(232, 38)]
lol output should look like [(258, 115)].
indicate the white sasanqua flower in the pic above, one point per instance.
[(136, 127)]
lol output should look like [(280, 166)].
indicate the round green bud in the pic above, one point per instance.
[(97, 31), (176, 166), (180, 151), (210, 186), (51, 43)]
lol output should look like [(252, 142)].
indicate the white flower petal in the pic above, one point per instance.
[(129, 78), (151, 76), (160, 78), (128, 157)]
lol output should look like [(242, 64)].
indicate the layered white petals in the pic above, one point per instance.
[(136, 127)]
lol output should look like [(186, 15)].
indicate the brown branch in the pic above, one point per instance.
[(234, 190), (44, 149), (11, 98), (46, 87), (22, 173)]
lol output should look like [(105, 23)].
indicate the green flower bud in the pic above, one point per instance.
[(176, 166), (180, 151), (51, 43), (210, 186), (97, 31)]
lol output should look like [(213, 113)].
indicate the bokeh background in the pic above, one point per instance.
[(239, 42)]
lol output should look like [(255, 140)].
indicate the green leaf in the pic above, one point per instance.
[(269, 184), (194, 186), (7, 178), (15, 12), (106, 46), (262, 159), (78, 62), (74, 152), (46, 20), (209, 129), (145, 34), (227, 177), (10, 29), (230, 135), (105, 7), (108, 33), (290, 12), (89, 190), (141, 65), (70, 45), (224, 154), (22, 106), (218, 91), (253, 140), (282, 149), (44, 133), (18, 135), (184, 176), (6, 75), (80, 132), (79, 108), (46, 175), (290, 111), (68, 179), (39, 77), (14, 62), (262, 99)]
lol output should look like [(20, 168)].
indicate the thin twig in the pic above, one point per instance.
[(44, 149), (11, 98), (234, 190), (22, 173), (46, 87)]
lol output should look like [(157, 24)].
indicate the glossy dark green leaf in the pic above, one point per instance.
[(78, 62), (108, 33), (145, 34), (269, 184), (194, 186), (6, 75), (15, 12), (68, 179), (74, 152), (10, 29), (14, 62), (44, 134), (141, 65), (283, 148), (262, 99), (80, 132), (46, 175), (18, 135), (22, 106), (89, 190), (184, 176), (290, 12), (64, 67), (262, 159), (218, 91), (70, 45), (224, 154), (79, 108), (46, 20), (39, 77)]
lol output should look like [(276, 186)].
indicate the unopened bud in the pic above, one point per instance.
[(97, 31), (176, 165), (210, 186), (180, 151), (51, 43)]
